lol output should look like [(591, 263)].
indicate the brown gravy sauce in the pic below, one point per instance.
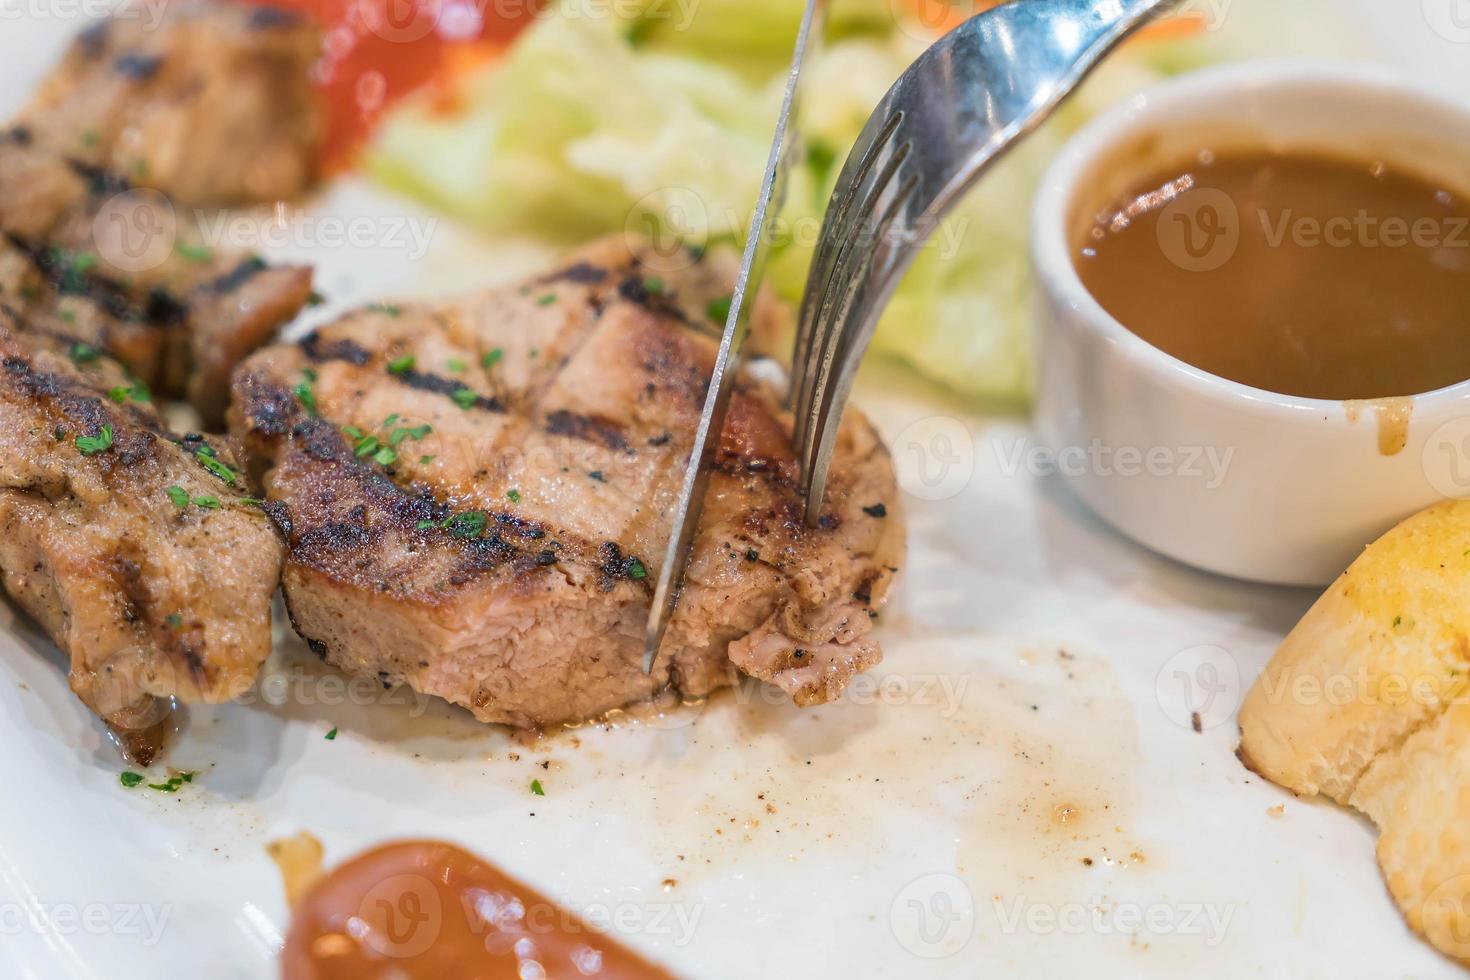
[(1308, 275), (1394, 415), (427, 910)]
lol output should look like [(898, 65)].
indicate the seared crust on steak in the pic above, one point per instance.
[(478, 495), (209, 103), (152, 597), (85, 252)]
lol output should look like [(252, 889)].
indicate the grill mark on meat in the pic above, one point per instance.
[(100, 182), (343, 349), (449, 387), (159, 308), (92, 42), (271, 18), (76, 405), (587, 428), (635, 290), (581, 273), (238, 276), (137, 67)]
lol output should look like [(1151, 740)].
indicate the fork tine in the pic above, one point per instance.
[(870, 144), (862, 304), (850, 245), (857, 246)]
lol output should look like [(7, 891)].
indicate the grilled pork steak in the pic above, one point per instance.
[(129, 544), (86, 253), (213, 106), (479, 492)]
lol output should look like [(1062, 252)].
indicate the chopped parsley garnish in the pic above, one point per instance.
[(207, 458), (83, 353), (173, 784), (309, 374), (135, 390), (89, 137), (315, 299), (513, 495), (178, 496), (491, 358), (208, 503), (352, 431), (385, 308), (194, 253), (306, 397), (636, 569), (536, 787), (366, 446), (173, 621), (653, 286), (455, 365), (470, 524), (401, 365), (409, 432), (129, 779), (546, 300), (92, 445), (424, 525), (385, 457), (425, 460), (331, 736), (465, 398), (597, 475), (719, 309)]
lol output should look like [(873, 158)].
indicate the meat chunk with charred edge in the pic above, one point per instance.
[(480, 491), (134, 547), (209, 103)]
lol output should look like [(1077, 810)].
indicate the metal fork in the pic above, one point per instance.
[(969, 98)]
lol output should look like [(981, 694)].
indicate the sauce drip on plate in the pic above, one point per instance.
[(1301, 274), (427, 910)]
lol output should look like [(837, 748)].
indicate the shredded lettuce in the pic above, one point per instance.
[(659, 120)]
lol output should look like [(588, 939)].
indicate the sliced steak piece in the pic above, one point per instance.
[(479, 494), (211, 105), (125, 270), (130, 545)]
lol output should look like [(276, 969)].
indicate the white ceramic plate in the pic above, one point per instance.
[(1031, 717)]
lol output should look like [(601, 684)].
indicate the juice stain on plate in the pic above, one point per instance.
[(1018, 762), (1393, 415)]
